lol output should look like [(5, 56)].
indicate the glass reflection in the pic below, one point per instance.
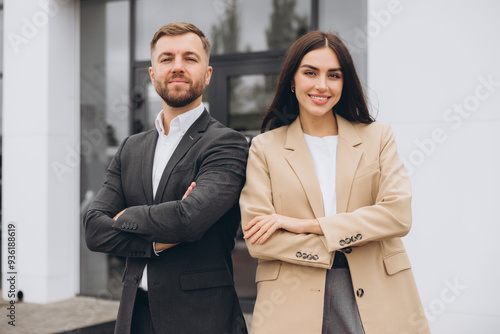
[(104, 123), (230, 25), (249, 97)]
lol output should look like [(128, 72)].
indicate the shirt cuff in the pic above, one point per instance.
[(154, 249)]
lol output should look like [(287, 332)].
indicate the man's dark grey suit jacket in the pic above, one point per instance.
[(190, 285)]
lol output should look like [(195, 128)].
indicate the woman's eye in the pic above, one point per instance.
[(309, 73)]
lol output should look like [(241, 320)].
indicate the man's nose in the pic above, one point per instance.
[(178, 66)]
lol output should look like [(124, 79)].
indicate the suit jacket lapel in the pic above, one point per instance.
[(299, 158), (347, 161), (192, 135), (148, 153)]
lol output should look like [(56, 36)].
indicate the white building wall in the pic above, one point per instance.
[(41, 145), (434, 74)]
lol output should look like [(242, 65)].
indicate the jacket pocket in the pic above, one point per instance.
[(397, 262), (205, 279), (267, 271)]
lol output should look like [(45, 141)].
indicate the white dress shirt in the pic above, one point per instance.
[(165, 147), (324, 155)]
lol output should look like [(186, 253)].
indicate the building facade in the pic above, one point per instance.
[(75, 84)]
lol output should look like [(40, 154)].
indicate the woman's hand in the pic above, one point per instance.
[(262, 227)]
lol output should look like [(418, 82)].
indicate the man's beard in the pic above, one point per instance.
[(178, 97)]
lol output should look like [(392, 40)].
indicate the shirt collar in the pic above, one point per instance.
[(181, 122)]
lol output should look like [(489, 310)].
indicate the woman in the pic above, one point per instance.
[(325, 204)]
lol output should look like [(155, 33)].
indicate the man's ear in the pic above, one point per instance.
[(151, 74), (208, 75)]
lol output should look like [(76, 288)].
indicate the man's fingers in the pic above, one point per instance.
[(189, 189), (119, 214)]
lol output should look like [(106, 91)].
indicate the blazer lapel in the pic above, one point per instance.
[(192, 135), (299, 158), (148, 153), (348, 157)]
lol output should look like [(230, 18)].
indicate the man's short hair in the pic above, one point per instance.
[(180, 28)]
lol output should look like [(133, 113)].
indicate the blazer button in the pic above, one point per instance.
[(360, 293), (353, 239), (304, 256), (359, 236), (342, 242), (136, 278), (348, 250), (310, 257), (134, 226), (315, 257), (298, 254), (347, 241)]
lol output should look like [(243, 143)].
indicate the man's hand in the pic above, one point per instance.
[(161, 246), (119, 214), (188, 191)]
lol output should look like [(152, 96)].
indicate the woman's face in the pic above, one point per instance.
[(318, 82)]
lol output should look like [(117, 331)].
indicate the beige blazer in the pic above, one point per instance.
[(373, 205)]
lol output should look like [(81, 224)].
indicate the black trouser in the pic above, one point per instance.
[(141, 318)]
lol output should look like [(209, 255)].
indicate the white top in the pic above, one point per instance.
[(165, 147), (324, 156)]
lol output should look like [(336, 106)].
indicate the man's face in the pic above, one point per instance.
[(180, 70)]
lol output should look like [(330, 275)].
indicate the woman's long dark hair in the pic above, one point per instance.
[(285, 108)]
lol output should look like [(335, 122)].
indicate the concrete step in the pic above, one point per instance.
[(82, 315)]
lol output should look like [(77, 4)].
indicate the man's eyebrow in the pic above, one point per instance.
[(187, 53), (336, 69), (191, 53)]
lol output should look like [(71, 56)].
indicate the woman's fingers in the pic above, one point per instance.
[(273, 228), (261, 226), (253, 226)]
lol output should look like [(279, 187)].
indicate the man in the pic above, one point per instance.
[(169, 202)]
